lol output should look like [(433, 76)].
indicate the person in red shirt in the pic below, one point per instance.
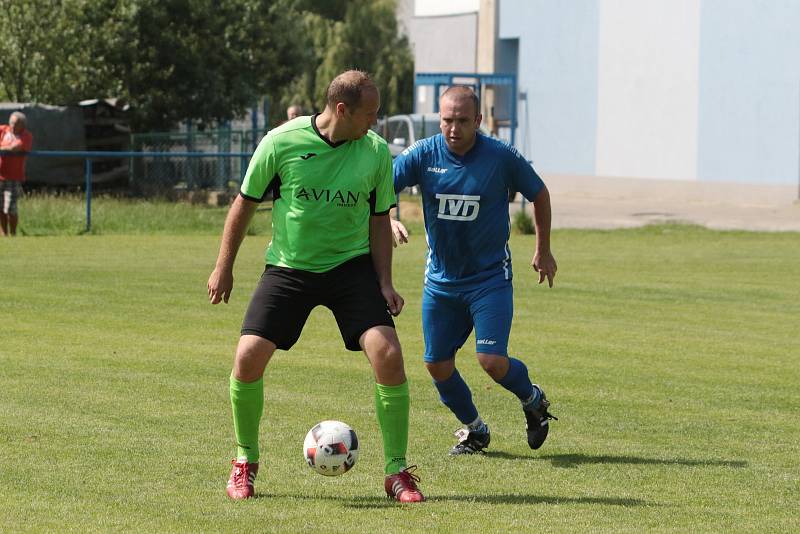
[(14, 137)]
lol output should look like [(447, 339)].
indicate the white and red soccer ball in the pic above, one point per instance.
[(331, 448)]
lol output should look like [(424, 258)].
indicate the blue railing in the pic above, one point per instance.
[(90, 155)]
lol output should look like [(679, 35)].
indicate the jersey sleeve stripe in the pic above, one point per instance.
[(375, 214)]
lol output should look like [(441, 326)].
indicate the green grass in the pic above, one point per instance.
[(42, 215), (670, 355)]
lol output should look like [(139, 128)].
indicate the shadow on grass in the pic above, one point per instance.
[(575, 460), (383, 502)]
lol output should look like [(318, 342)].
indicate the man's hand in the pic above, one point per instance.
[(399, 233), (393, 300), (220, 285), (545, 264)]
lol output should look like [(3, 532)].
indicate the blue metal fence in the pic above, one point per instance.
[(89, 156)]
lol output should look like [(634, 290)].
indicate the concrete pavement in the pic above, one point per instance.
[(602, 202)]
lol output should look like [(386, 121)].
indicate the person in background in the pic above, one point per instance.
[(293, 111), (15, 141)]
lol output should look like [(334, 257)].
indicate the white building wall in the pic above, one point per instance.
[(443, 37), (437, 8), (683, 89), (749, 91), (647, 88), (445, 44), (557, 73)]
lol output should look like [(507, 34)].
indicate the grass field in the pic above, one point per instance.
[(670, 355), (47, 215)]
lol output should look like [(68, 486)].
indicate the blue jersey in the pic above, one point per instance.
[(465, 204)]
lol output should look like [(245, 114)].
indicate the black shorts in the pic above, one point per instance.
[(285, 297)]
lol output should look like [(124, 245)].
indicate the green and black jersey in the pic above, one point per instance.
[(323, 193)]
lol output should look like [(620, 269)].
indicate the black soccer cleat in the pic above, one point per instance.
[(470, 442), (538, 421)]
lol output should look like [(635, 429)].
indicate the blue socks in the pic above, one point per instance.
[(455, 394), (517, 382)]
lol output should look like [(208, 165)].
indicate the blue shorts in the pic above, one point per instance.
[(448, 317)]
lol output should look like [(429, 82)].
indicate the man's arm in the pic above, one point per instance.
[(543, 261), (220, 283), (16, 145), (399, 232), (380, 246)]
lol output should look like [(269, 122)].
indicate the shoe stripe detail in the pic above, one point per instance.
[(241, 482), (402, 486)]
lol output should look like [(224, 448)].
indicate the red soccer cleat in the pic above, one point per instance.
[(403, 486), (240, 485)]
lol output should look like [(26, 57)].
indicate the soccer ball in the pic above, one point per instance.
[(331, 448)]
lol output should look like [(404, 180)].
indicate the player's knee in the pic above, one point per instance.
[(441, 371), (495, 365), (390, 357), (252, 355)]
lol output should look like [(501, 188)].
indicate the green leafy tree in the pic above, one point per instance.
[(172, 60), (205, 60), (326, 9), (341, 35), (201, 60), (367, 39), (40, 51)]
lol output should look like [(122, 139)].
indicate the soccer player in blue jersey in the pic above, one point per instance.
[(464, 178)]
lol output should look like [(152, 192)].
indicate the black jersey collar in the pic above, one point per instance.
[(314, 125)]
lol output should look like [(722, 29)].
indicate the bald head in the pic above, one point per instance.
[(351, 109), (461, 94), (349, 88)]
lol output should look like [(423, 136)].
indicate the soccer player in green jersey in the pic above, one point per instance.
[(331, 180)]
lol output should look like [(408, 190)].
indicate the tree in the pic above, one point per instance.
[(172, 60), (341, 35), (205, 60), (40, 50), (201, 60), (368, 39)]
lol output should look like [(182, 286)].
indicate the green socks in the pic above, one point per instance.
[(392, 406), (247, 401)]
